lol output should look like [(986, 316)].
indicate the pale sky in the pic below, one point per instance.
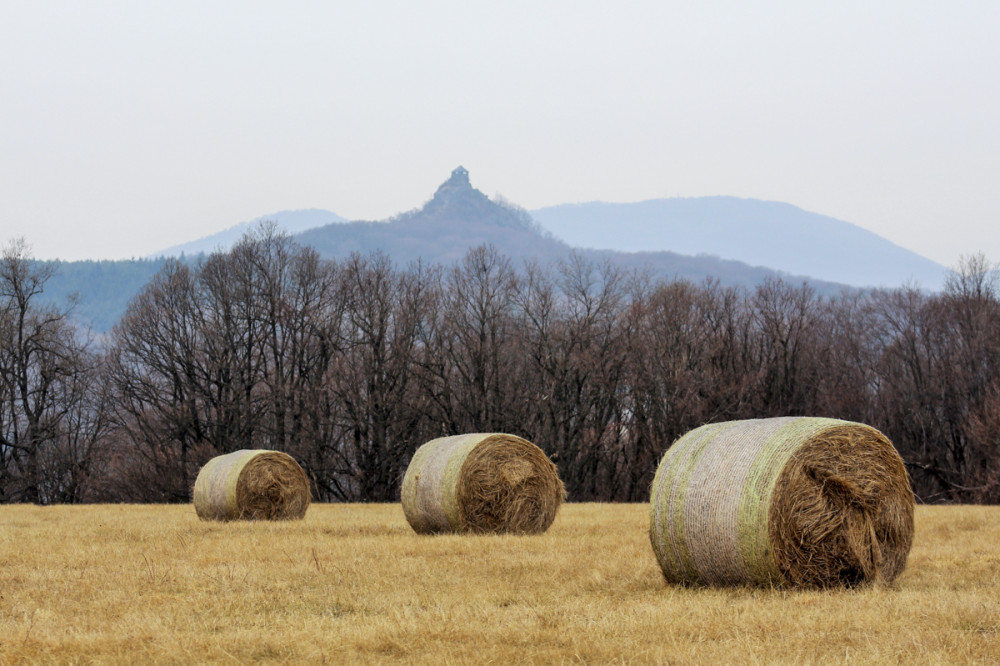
[(127, 127)]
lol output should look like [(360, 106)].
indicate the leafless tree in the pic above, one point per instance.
[(379, 413), (52, 409), (352, 366)]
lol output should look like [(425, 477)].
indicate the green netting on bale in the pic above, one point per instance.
[(480, 482), (251, 485), (784, 501)]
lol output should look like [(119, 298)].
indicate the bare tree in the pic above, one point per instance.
[(51, 403), (577, 337), (351, 366), (469, 368), (379, 415), (786, 318), (162, 395)]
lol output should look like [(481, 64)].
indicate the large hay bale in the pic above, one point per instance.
[(251, 485), (792, 502), (486, 483)]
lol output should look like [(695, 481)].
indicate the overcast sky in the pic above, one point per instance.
[(127, 127)]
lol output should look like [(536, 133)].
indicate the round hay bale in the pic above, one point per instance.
[(484, 483), (790, 502), (251, 485)]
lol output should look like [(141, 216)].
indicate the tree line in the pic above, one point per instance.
[(350, 365)]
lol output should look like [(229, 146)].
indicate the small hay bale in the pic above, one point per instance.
[(251, 485), (789, 502), (484, 483)]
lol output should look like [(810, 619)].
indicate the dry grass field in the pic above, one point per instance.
[(353, 583)]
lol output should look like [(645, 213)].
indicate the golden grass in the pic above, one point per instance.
[(153, 584)]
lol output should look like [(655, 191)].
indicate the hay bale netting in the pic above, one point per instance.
[(251, 485), (792, 502), (486, 483)]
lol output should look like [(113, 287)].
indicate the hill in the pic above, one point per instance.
[(460, 217), (104, 288), (291, 221), (764, 233), (457, 218)]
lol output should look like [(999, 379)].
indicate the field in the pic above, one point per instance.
[(353, 583)]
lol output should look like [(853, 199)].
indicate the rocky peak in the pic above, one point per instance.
[(460, 177), (456, 196), (457, 202), (457, 184)]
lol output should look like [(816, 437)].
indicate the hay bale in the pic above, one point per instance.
[(791, 502), (484, 483), (251, 485)]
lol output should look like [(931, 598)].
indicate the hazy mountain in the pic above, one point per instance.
[(456, 219), (292, 221), (763, 233), (460, 217)]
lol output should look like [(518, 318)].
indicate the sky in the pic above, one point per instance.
[(128, 127)]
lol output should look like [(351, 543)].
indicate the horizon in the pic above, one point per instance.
[(240, 228), (501, 200)]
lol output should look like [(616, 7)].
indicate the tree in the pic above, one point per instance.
[(159, 371), (467, 364), (577, 334), (52, 409), (379, 414), (786, 319)]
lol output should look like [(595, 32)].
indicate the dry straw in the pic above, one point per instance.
[(251, 485), (791, 502), (485, 483)]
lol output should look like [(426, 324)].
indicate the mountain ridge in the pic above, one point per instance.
[(456, 219), (727, 228), (769, 233), (459, 217), (292, 221)]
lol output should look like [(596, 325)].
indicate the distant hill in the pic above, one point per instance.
[(457, 218), (761, 233), (460, 217), (104, 288), (292, 221)]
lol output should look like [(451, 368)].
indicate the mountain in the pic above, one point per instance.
[(104, 288), (763, 233), (460, 217), (456, 219), (292, 221)]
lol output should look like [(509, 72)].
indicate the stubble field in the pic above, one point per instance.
[(353, 583)]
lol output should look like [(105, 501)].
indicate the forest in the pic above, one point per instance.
[(350, 365)]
